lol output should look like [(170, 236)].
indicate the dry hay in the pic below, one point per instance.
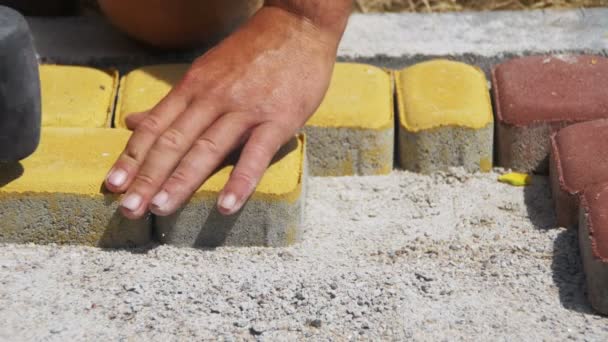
[(460, 5)]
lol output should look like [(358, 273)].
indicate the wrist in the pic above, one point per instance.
[(329, 17), (272, 21)]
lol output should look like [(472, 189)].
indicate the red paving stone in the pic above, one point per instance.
[(593, 240), (579, 158), (535, 96)]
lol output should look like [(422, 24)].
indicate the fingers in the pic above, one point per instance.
[(264, 143), (148, 130), (164, 155), (206, 154), (133, 120)]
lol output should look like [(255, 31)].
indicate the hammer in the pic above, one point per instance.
[(20, 108)]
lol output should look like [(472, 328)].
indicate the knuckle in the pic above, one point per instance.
[(150, 125), (260, 150), (285, 125), (132, 154), (189, 78), (207, 146), (171, 139), (179, 177), (184, 180), (144, 180), (246, 178)]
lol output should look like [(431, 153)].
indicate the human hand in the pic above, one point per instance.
[(255, 89)]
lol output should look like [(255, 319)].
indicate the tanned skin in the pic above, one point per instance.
[(253, 90)]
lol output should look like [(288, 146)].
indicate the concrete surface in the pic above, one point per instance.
[(272, 217), (390, 40), (488, 34), (55, 195), (445, 117), (483, 39), (75, 96), (445, 257)]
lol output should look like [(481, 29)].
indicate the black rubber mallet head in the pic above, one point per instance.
[(20, 117), (43, 7)]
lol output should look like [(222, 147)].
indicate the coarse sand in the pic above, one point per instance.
[(451, 256)]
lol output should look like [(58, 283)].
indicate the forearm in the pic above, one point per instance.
[(330, 16)]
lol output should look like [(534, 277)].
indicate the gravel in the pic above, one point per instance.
[(451, 256)]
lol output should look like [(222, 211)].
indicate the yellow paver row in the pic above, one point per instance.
[(57, 195), (357, 109)]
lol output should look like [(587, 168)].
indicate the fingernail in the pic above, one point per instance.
[(117, 177), (131, 202), (160, 199), (228, 202)]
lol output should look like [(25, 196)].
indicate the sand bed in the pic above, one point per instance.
[(450, 256)]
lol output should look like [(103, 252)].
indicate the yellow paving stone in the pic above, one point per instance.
[(282, 180), (272, 217), (75, 96), (351, 133), (56, 195), (443, 93), (358, 97), (141, 89), (445, 116)]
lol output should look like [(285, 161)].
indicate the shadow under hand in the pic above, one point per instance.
[(10, 172), (216, 228), (568, 274), (134, 236)]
